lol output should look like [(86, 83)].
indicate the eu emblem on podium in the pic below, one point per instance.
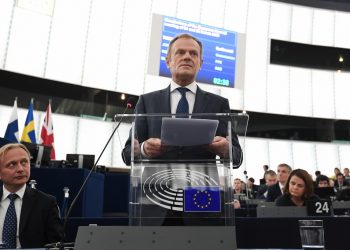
[(202, 199)]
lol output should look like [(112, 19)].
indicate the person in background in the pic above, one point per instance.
[(347, 174), (265, 168), (323, 188), (340, 183), (244, 185), (336, 172), (317, 174), (283, 171), (270, 180), (252, 188), (29, 218), (237, 186), (239, 194), (322, 181), (298, 190)]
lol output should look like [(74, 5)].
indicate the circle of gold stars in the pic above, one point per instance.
[(197, 202)]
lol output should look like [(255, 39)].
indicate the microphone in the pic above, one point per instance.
[(130, 103), (247, 192), (246, 183)]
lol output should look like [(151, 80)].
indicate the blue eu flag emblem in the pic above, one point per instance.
[(202, 199)]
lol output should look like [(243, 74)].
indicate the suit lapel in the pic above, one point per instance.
[(165, 95), (200, 103), (27, 204)]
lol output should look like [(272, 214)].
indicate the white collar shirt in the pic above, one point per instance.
[(175, 96), (281, 187)]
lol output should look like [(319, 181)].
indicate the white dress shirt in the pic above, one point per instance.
[(175, 97), (281, 187)]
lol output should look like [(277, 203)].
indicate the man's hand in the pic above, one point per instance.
[(219, 146), (153, 147), (236, 204), (137, 148)]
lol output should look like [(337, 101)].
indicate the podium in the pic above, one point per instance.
[(183, 198)]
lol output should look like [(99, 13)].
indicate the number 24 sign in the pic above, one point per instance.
[(319, 208)]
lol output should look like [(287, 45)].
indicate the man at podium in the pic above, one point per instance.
[(182, 96)]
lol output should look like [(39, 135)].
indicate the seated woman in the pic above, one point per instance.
[(239, 195), (298, 190)]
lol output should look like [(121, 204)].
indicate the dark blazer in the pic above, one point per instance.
[(285, 200), (261, 191), (159, 102), (273, 192), (39, 220), (339, 188)]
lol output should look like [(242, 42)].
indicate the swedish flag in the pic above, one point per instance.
[(28, 134)]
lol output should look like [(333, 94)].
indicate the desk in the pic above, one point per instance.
[(253, 233), (116, 194), (53, 180), (284, 232)]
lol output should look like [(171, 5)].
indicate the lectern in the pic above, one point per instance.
[(183, 198)]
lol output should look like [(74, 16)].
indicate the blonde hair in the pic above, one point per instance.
[(10, 146)]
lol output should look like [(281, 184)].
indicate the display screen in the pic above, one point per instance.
[(219, 50)]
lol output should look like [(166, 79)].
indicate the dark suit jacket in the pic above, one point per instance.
[(159, 102), (285, 200), (261, 192), (273, 192), (39, 220)]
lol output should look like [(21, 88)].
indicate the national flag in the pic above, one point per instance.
[(28, 134), (202, 199), (46, 136), (11, 133)]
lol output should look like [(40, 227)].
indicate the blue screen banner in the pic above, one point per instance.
[(219, 50)]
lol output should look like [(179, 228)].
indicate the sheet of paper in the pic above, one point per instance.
[(188, 132)]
